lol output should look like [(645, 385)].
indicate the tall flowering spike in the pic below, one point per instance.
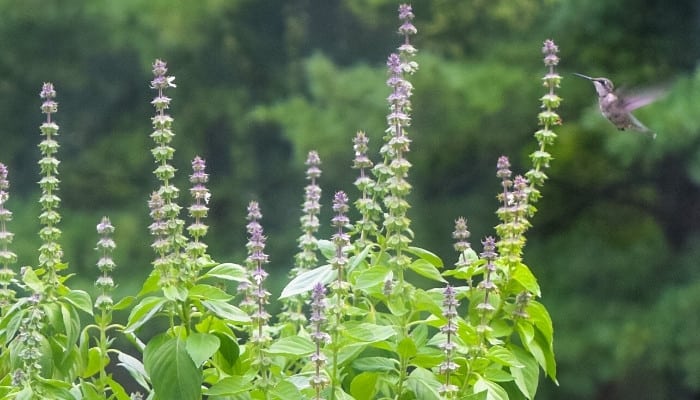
[(392, 173), (485, 308), (198, 210), (461, 235), (105, 264), (50, 252), (504, 172), (340, 238), (161, 245), (448, 366), (255, 261), (340, 286), (29, 339), (547, 119), (256, 295), (308, 244), (162, 135), (513, 214), (7, 257), (369, 210), (318, 318)]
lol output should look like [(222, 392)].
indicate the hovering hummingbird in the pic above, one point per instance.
[(617, 108)]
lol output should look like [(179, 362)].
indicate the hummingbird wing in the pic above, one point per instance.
[(637, 99)]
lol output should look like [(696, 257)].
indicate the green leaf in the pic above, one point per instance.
[(226, 311), (201, 346), (94, 362), (428, 301), (292, 346), (543, 322), (326, 247), (71, 324), (175, 293), (55, 389), (423, 384), (350, 352), (526, 377), (151, 284), (397, 305), (370, 333), (541, 350), (32, 280), (89, 392), (426, 269), (124, 303), (426, 255), (406, 348), (503, 356), (227, 271), (371, 277), (364, 386), (474, 396), (173, 373), (230, 386), (524, 277), (80, 299), (117, 389), (286, 390), (304, 282), (144, 311), (493, 390), (208, 292), (229, 351), (543, 337), (376, 364), (341, 395), (355, 260), (135, 368)]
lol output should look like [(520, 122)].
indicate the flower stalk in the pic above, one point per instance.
[(7, 257), (50, 251)]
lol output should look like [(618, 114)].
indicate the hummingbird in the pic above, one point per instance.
[(617, 108)]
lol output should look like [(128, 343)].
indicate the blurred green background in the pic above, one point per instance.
[(616, 242)]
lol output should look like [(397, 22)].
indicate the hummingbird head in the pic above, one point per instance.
[(602, 85)]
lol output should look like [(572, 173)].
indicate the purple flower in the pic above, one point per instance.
[(550, 50), (313, 161), (461, 235), (48, 94), (340, 207), (489, 253), (503, 167), (406, 15), (160, 81)]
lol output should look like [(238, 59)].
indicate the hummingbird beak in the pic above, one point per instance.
[(584, 76)]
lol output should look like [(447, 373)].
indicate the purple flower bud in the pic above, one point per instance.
[(4, 185), (160, 81), (254, 211), (461, 235), (340, 207), (105, 227), (47, 91), (550, 50), (48, 94), (313, 161), (394, 64), (489, 252), (503, 167), (406, 15)]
